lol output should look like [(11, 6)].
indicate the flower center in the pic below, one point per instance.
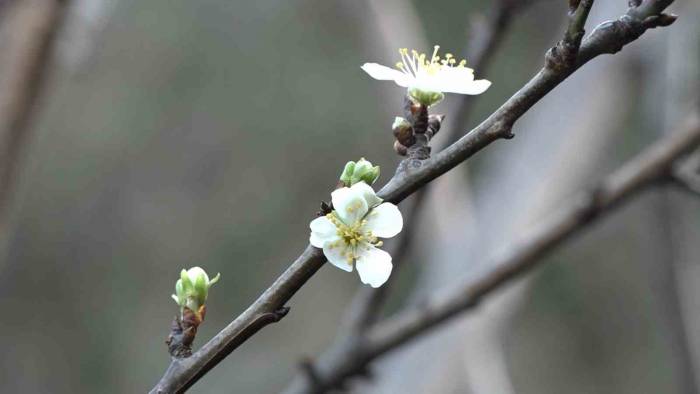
[(415, 63), (352, 236)]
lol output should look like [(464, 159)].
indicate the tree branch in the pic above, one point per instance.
[(649, 167), (183, 373), (488, 38)]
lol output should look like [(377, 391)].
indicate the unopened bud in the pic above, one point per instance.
[(192, 290), (403, 131), (400, 149), (346, 176), (434, 123), (360, 171)]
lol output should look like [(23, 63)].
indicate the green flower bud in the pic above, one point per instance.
[(192, 289), (426, 98), (360, 171), (346, 176)]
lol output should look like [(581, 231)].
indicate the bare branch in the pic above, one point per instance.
[(488, 38), (408, 178), (649, 167)]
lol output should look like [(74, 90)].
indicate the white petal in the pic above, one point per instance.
[(460, 80), (367, 193), (405, 80), (322, 230), (374, 266), (349, 204), (335, 253), (473, 88), (428, 82), (382, 73), (385, 221)]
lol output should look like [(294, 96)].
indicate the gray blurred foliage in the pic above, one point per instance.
[(206, 133)]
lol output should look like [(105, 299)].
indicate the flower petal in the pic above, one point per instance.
[(473, 87), (374, 266), (335, 252), (460, 80), (367, 193), (350, 205), (385, 220), (322, 230), (382, 73)]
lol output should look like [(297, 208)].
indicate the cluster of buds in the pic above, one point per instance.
[(360, 171), (191, 292), (417, 125)]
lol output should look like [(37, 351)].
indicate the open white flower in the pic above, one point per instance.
[(427, 80), (349, 235)]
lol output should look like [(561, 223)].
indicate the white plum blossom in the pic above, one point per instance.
[(349, 235), (427, 79)]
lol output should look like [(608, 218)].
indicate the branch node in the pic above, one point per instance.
[(279, 313), (182, 333), (660, 20), (502, 129), (686, 175), (562, 57)]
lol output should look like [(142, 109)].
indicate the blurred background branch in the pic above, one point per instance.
[(32, 28)]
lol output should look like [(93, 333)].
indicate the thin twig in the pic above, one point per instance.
[(488, 38), (607, 38), (648, 168)]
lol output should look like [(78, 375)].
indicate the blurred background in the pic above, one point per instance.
[(168, 134)]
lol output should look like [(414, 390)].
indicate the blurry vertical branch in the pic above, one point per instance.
[(488, 37), (32, 26), (608, 37)]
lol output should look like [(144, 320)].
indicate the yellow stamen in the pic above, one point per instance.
[(413, 62)]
